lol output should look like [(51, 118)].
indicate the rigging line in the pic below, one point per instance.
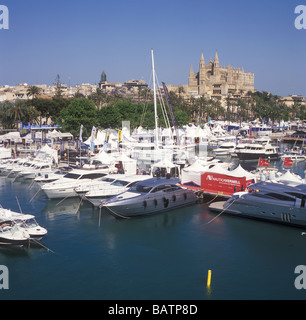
[(146, 103), (163, 106)]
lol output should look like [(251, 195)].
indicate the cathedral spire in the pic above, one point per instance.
[(202, 61), (191, 73), (216, 61), (216, 57)]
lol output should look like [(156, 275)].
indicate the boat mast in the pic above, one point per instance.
[(155, 104)]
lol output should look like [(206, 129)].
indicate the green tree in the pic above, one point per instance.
[(79, 111), (109, 117)]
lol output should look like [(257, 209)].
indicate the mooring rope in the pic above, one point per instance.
[(39, 243), (115, 213), (220, 213)]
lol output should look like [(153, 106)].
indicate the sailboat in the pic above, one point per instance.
[(150, 153)]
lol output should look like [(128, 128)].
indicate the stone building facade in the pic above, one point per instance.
[(216, 81)]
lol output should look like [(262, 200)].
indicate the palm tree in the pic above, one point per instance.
[(33, 91), (13, 113)]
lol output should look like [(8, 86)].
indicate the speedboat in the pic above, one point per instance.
[(275, 202), (154, 195), (26, 222), (12, 234), (104, 190), (65, 186)]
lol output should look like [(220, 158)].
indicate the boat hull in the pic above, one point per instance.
[(255, 156), (12, 241), (282, 214), (150, 204)]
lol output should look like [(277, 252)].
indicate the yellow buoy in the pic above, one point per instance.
[(209, 278)]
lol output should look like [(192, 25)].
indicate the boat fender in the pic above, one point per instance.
[(166, 202), (155, 202), (174, 198), (145, 204), (185, 196)]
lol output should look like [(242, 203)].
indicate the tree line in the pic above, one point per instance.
[(108, 111)]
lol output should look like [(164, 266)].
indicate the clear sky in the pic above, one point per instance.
[(78, 39)]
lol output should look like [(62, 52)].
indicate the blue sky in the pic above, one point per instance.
[(79, 39)]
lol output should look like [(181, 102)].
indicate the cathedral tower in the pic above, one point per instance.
[(202, 75), (216, 67)]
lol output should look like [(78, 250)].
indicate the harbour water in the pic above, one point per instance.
[(162, 257)]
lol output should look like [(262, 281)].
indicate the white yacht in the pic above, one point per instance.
[(225, 149), (65, 186), (25, 222), (104, 190), (12, 234), (37, 169), (254, 151)]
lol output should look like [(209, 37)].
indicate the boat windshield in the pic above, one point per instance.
[(72, 176), (107, 179), (30, 223), (140, 188), (119, 183)]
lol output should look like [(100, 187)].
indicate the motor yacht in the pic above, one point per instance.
[(106, 190), (37, 169), (66, 185), (148, 197), (275, 202), (254, 151), (225, 149)]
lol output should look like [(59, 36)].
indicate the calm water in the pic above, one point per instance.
[(166, 256)]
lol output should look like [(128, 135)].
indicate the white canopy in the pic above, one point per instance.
[(289, 178), (46, 153), (13, 136), (240, 172)]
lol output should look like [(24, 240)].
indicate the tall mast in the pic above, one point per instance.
[(155, 104)]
